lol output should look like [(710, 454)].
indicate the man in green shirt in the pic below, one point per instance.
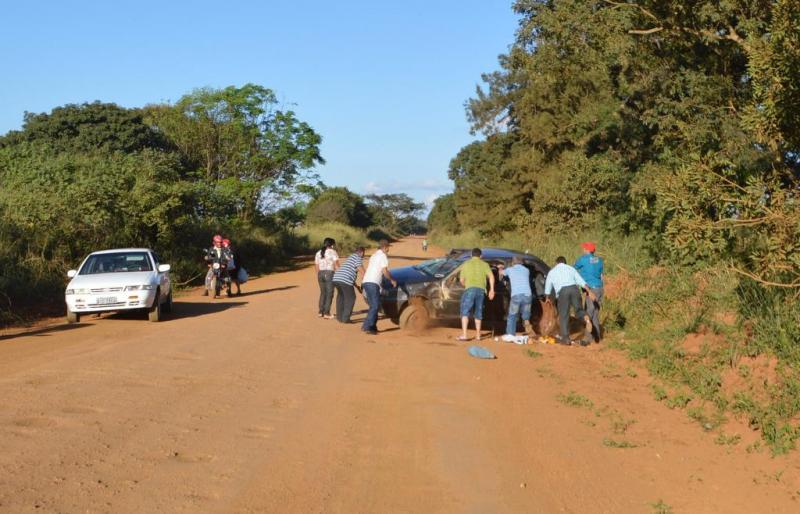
[(474, 274)]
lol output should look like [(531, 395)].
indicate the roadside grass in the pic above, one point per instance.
[(575, 400), (673, 304), (533, 354), (613, 443), (659, 507), (727, 440)]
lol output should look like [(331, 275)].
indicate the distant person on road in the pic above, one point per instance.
[(519, 278), (473, 276), (344, 280), (377, 271), (564, 283), (591, 269), (424, 245), (326, 261)]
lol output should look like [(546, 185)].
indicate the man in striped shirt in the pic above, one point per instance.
[(344, 281)]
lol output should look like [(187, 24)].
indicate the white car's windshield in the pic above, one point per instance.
[(116, 263)]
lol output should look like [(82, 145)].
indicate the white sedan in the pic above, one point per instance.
[(119, 280)]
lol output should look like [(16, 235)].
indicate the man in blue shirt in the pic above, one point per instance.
[(519, 277), (565, 284), (591, 269)]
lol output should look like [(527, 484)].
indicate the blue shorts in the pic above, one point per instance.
[(472, 302)]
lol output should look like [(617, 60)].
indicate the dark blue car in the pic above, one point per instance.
[(431, 289)]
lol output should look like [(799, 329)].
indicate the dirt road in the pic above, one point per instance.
[(256, 405)]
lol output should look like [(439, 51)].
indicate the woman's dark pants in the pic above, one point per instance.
[(325, 279)]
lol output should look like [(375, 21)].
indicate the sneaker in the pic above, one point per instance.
[(508, 338), (371, 332), (564, 342), (520, 340)]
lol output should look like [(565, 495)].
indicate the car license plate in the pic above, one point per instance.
[(104, 300)]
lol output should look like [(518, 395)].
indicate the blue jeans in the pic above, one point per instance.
[(472, 302), (373, 294), (519, 303)]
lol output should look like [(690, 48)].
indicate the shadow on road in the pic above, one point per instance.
[(43, 331), (264, 291), (183, 310)]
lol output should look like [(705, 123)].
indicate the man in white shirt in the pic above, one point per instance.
[(377, 270), (565, 284)]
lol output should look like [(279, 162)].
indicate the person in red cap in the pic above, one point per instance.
[(591, 269)]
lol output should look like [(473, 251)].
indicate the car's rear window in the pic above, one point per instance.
[(122, 262)]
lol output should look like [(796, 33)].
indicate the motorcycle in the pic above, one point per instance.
[(218, 277)]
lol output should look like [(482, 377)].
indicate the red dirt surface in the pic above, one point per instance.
[(256, 405)]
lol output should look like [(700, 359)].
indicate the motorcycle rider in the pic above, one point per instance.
[(217, 253)]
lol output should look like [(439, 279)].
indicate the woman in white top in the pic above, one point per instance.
[(326, 261)]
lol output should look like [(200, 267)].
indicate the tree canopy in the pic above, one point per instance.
[(88, 127), (671, 118), (339, 205), (239, 138), (397, 213)]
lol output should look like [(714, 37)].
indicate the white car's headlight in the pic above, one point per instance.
[(77, 291), (146, 287), (69, 292)]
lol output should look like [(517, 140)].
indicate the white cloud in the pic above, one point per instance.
[(415, 186)]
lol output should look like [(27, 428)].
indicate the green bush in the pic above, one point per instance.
[(347, 237), (773, 317)]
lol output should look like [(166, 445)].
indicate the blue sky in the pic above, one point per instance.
[(383, 82)]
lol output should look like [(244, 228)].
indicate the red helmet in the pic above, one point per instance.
[(226, 242), (217, 238)]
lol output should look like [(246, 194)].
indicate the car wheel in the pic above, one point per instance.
[(73, 317), (415, 318), (154, 314), (168, 304)]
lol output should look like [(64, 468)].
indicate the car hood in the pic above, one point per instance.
[(410, 275), (103, 280)]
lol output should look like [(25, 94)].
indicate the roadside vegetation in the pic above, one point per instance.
[(670, 138), (168, 176)]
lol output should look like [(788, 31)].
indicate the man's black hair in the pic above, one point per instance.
[(561, 260), (476, 252)]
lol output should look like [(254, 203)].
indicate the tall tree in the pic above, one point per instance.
[(240, 139), (339, 205), (398, 213), (443, 217)]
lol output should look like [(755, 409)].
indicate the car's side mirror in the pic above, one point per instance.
[(163, 268), (71, 273)]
